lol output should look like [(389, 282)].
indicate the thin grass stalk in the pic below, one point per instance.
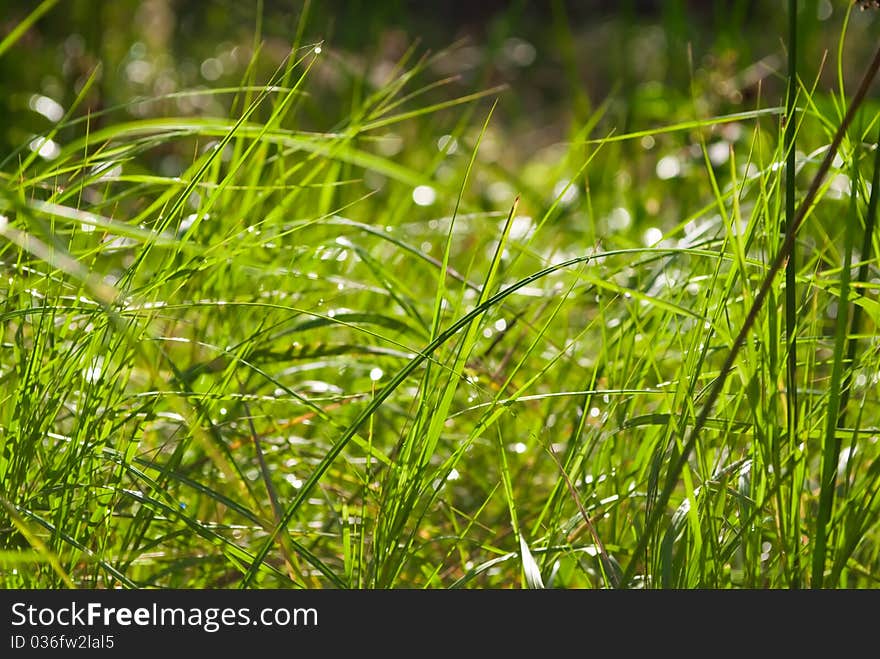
[(789, 142)]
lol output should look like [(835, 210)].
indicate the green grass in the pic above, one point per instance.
[(274, 368)]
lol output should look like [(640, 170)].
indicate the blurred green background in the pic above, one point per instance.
[(559, 59), (566, 71)]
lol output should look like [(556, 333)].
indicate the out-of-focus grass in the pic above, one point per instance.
[(378, 339)]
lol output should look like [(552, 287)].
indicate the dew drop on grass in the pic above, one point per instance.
[(843, 460), (52, 110), (187, 222), (376, 374), (138, 71), (453, 475), (521, 227), (519, 51), (519, 447), (448, 144), (424, 195), (668, 167), (223, 411), (719, 153), (566, 191), (211, 69), (389, 144), (95, 369), (46, 148)]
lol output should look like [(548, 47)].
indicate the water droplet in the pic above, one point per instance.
[(390, 144), (376, 374), (211, 69), (46, 148), (138, 71), (521, 227), (519, 51), (566, 191), (719, 153), (652, 236), (95, 369), (448, 144), (45, 106)]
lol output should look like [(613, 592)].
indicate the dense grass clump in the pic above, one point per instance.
[(393, 350)]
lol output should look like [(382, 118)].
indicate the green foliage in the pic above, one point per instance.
[(275, 334)]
